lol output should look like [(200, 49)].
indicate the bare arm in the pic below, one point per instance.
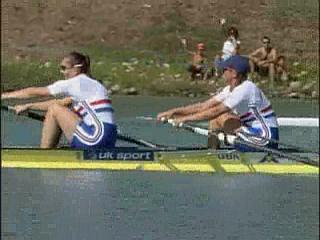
[(27, 93), (272, 57), (206, 114), (255, 53), (43, 106), (190, 109)]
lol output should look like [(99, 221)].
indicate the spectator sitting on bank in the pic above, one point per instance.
[(230, 47), (263, 59), (198, 66), (281, 70)]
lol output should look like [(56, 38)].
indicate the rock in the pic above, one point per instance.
[(133, 91), (47, 64), (130, 91), (125, 64), (293, 95), (295, 86), (115, 88), (303, 73), (315, 94), (100, 63), (185, 92), (264, 82), (212, 82), (166, 65), (307, 88)]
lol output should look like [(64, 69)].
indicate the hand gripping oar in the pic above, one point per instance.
[(120, 136), (232, 139)]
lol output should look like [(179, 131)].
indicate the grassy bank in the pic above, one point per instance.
[(148, 72)]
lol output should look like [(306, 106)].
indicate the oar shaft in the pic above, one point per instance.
[(279, 153), (29, 114)]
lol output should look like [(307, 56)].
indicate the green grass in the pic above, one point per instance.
[(150, 72)]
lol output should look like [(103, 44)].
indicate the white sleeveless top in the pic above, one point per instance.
[(90, 98), (229, 46)]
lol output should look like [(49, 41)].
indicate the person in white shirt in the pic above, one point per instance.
[(230, 47), (85, 114), (240, 107)]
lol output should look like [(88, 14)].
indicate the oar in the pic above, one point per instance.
[(205, 132), (28, 114), (232, 139), (140, 142), (282, 121), (120, 136)]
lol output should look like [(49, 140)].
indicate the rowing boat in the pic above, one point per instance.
[(155, 157), (142, 159)]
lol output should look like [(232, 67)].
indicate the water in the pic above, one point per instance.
[(49, 204), (44, 204), (22, 131)]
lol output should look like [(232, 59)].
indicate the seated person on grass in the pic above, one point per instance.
[(198, 66), (263, 59), (281, 69)]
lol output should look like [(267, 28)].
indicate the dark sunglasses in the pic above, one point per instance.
[(265, 42), (63, 68)]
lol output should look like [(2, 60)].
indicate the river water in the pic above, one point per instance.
[(25, 132), (50, 204)]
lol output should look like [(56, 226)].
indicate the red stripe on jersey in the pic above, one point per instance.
[(102, 101)]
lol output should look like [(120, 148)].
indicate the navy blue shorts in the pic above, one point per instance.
[(102, 135)]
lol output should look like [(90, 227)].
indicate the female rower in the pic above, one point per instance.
[(241, 107), (89, 123)]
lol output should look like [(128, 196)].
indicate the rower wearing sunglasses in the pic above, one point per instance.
[(89, 123), (241, 107)]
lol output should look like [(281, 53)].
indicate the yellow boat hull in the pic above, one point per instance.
[(196, 161)]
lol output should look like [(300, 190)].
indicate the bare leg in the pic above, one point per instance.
[(227, 122), (271, 75), (213, 141), (58, 119), (252, 66)]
